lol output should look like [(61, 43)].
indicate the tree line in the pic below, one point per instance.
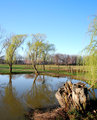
[(38, 51)]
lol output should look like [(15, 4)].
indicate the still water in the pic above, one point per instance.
[(20, 92)]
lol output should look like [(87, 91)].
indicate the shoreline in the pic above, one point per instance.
[(52, 74), (58, 113)]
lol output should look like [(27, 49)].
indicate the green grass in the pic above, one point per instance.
[(77, 115), (4, 69), (63, 70), (74, 71), (51, 70)]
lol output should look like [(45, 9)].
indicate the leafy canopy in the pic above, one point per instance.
[(11, 46), (90, 58), (39, 48)]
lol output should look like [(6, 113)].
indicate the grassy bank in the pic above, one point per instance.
[(76, 72), (68, 70), (52, 70)]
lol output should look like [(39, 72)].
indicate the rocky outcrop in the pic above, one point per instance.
[(73, 96)]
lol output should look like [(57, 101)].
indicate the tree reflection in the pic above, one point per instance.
[(43, 79), (29, 76), (39, 95), (40, 79), (11, 103)]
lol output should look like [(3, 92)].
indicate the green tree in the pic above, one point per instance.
[(35, 49), (39, 49), (90, 58), (47, 48), (79, 60), (12, 44)]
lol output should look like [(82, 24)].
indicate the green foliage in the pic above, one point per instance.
[(76, 115), (11, 46), (79, 60), (38, 48), (90, 59), (46, 49)]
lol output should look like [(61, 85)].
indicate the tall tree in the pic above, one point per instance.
[(39, 49), (47, 48), (35, 49), (91, 53), (12, 44)]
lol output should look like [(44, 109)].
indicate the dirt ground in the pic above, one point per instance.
[(55, 114), (59, 113)]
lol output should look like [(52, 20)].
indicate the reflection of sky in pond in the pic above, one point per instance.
[(95, 92), (22, 84), (21, 91)]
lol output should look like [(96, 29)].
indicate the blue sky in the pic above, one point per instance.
[(65, 22)]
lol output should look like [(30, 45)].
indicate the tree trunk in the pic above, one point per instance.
[(44, 64), (36, 71), (73, 96), (44, 67), (10, 68)]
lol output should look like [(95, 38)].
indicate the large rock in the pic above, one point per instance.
[(73, 96)]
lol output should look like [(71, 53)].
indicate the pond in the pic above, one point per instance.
[(20, 92)]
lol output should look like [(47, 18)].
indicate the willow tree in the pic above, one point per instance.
[(12, 44), (47, 49), (90, 58), (39, 49), (35, 49)]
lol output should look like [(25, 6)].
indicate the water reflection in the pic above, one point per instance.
[(36, 77), (41, 79), (39, 95), (12, 107), (28, 76), (18, 92), (93, 94)]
